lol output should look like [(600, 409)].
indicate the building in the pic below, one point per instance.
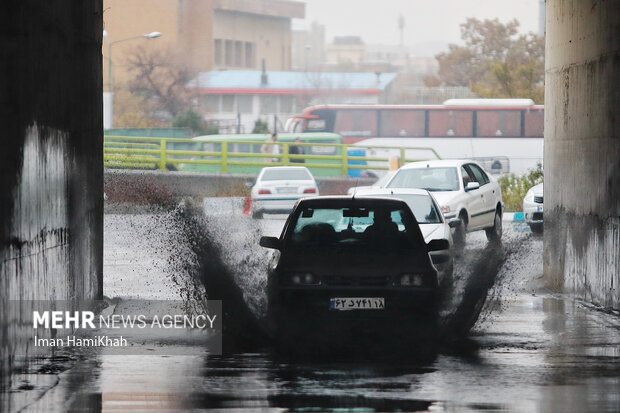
[(308, 48), (202, 34), (229, 98), (345, 51)]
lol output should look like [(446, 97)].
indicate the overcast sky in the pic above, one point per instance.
[(431, 22)]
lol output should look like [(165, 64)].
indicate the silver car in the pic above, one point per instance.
[(277, 188)]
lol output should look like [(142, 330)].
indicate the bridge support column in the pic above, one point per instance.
[(582, 149), (51, 166)]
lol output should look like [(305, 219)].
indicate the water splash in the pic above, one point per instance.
[(218, 257), (204, 268)]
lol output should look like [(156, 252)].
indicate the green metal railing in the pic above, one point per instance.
[(174, 154)]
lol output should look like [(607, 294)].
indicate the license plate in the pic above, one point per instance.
[(292, 190), (540, 209), (357, 303)]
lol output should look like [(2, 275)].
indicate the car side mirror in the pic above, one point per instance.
[(454, 223), (437, 245), (471, 186), (270, 242), (249, 183)]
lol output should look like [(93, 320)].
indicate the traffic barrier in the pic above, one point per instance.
[(513, 216), (247, 205), (127, 152)]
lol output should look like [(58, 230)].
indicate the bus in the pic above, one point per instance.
[(504, 135), (239, 146)]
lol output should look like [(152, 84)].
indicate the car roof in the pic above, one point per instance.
[(437, 163), (285, 168), (346, 201), (391, 191)]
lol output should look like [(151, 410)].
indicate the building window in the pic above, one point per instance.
[(212, 102), (249, 55), (228, 103), (228, 57), (268, 104), (218, 52), (244, 103), (286, 104), (238, 54)]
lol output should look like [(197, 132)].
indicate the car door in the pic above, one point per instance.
[(487, 193), (474, 200)]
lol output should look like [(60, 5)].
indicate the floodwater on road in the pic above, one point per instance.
[(529, 351)]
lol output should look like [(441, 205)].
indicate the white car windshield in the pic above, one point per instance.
[(383, 180), (422, 206), (431, 179), (286, 175)]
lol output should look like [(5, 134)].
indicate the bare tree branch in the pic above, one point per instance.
[(160, 80)]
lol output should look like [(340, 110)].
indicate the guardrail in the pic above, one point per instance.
[(177, 154)]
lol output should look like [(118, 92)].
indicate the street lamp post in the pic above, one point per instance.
[(307, 48), (152, 35)]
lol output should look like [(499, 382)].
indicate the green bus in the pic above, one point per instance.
[(243, 153)]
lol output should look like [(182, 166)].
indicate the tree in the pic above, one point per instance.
[(260, 126), (130, 112), (515, 187), (193, 121), (495, 62), (159, 78)]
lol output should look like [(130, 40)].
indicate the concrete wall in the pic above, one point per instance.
[(51, 206), (582, 149)]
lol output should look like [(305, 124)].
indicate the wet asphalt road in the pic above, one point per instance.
[(529, 351)]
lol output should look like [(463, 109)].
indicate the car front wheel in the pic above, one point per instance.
[(495, 232), (459, 236)]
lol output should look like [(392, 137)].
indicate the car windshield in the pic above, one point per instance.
[(383, 180), (431, 179), (422, 206), (359, 228), (286, 175)]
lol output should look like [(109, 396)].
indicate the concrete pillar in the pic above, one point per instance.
[(51, 165), (582, 149)]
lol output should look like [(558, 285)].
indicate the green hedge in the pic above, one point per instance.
[(515, 187)]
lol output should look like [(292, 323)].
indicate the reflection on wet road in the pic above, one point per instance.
[(529, 350)]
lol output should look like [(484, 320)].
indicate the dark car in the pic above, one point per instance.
[(348, 268)]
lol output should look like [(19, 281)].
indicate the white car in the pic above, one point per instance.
[(462, 189), (432, 223), (533, 208), (277, 188), (380, 183)]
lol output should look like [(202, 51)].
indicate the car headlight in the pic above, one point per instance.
[(303, 278), (411, 280), (445, 209)]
